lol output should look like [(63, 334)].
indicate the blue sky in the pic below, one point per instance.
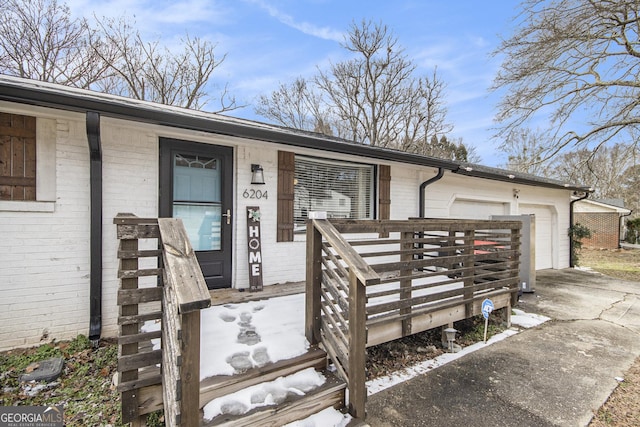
[(268, 42)]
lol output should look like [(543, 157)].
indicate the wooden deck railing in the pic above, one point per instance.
[(163, 285), (363, 290), (335, 306)]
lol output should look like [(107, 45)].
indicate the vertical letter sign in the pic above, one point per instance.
[(254, 248)]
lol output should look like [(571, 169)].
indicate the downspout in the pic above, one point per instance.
[(586, 194), (421, 196), (95, 289), (620, 227)]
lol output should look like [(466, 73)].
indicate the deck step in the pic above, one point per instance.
[(330, 394), (218, 386)]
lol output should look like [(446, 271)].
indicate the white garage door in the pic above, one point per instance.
[(475, 209), (544, 234)]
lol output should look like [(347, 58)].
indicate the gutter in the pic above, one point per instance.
[(586, 194), (620, 227), (421, 196), (95, 290)]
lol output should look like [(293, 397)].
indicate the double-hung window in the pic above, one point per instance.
[(341, 189)]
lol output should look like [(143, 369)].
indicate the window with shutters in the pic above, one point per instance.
[(341, 189), (17, 157)]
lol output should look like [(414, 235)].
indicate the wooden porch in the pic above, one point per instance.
[(368, 282)]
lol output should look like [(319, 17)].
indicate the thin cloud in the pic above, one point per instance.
[(324, 33)]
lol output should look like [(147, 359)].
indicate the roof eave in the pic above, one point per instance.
[(142, 113), (511, 178)]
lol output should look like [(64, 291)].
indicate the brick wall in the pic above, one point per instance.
[(44, 256), (604, 229)]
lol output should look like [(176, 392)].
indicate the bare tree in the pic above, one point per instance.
[(149, 71), (295, 105), (452, 150), (525, 150), (39, 40), (374, 98), (607, 170), (577, 59)]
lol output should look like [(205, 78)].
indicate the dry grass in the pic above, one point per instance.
[(620, 263), (622, 409)]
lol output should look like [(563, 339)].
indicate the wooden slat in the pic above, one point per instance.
[(183, 272), (128, 274), (139, 360), (363, 272), (140, 231), (150, 253), (236, 296), (137, 296), (146, 381), (18, 181), (139, 318), (136, 338), (131, 219), (347, 226), (150, 400)]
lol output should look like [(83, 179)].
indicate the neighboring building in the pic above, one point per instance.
[(79, 158), (604, 218)]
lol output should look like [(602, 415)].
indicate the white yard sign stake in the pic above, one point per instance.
[(487, 308)]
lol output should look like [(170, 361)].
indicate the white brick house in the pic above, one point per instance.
[(57, 244)]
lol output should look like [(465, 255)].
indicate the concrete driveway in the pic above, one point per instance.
[(557, 374)]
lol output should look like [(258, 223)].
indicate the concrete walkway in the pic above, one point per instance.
[(557, 374)]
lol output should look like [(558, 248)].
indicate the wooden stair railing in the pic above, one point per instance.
[(337, 322), (185, 294), (163, 285)]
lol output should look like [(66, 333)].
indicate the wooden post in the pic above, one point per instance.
[(469, 272), (357, 344), (129, 399), (405, 284), (190, 369), (515, 245), (313, 284)]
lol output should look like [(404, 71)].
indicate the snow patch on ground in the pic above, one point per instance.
[(329, 417), (264, 394), (520, 318), (527, 320), (235, 337)]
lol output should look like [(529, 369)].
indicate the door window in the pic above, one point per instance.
[(197, 199)]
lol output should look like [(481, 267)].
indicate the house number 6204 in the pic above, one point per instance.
[(254, 194)]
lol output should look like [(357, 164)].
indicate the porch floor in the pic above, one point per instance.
[(235, 296)]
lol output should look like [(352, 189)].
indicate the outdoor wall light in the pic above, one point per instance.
[(451, 337), (257, 174)]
